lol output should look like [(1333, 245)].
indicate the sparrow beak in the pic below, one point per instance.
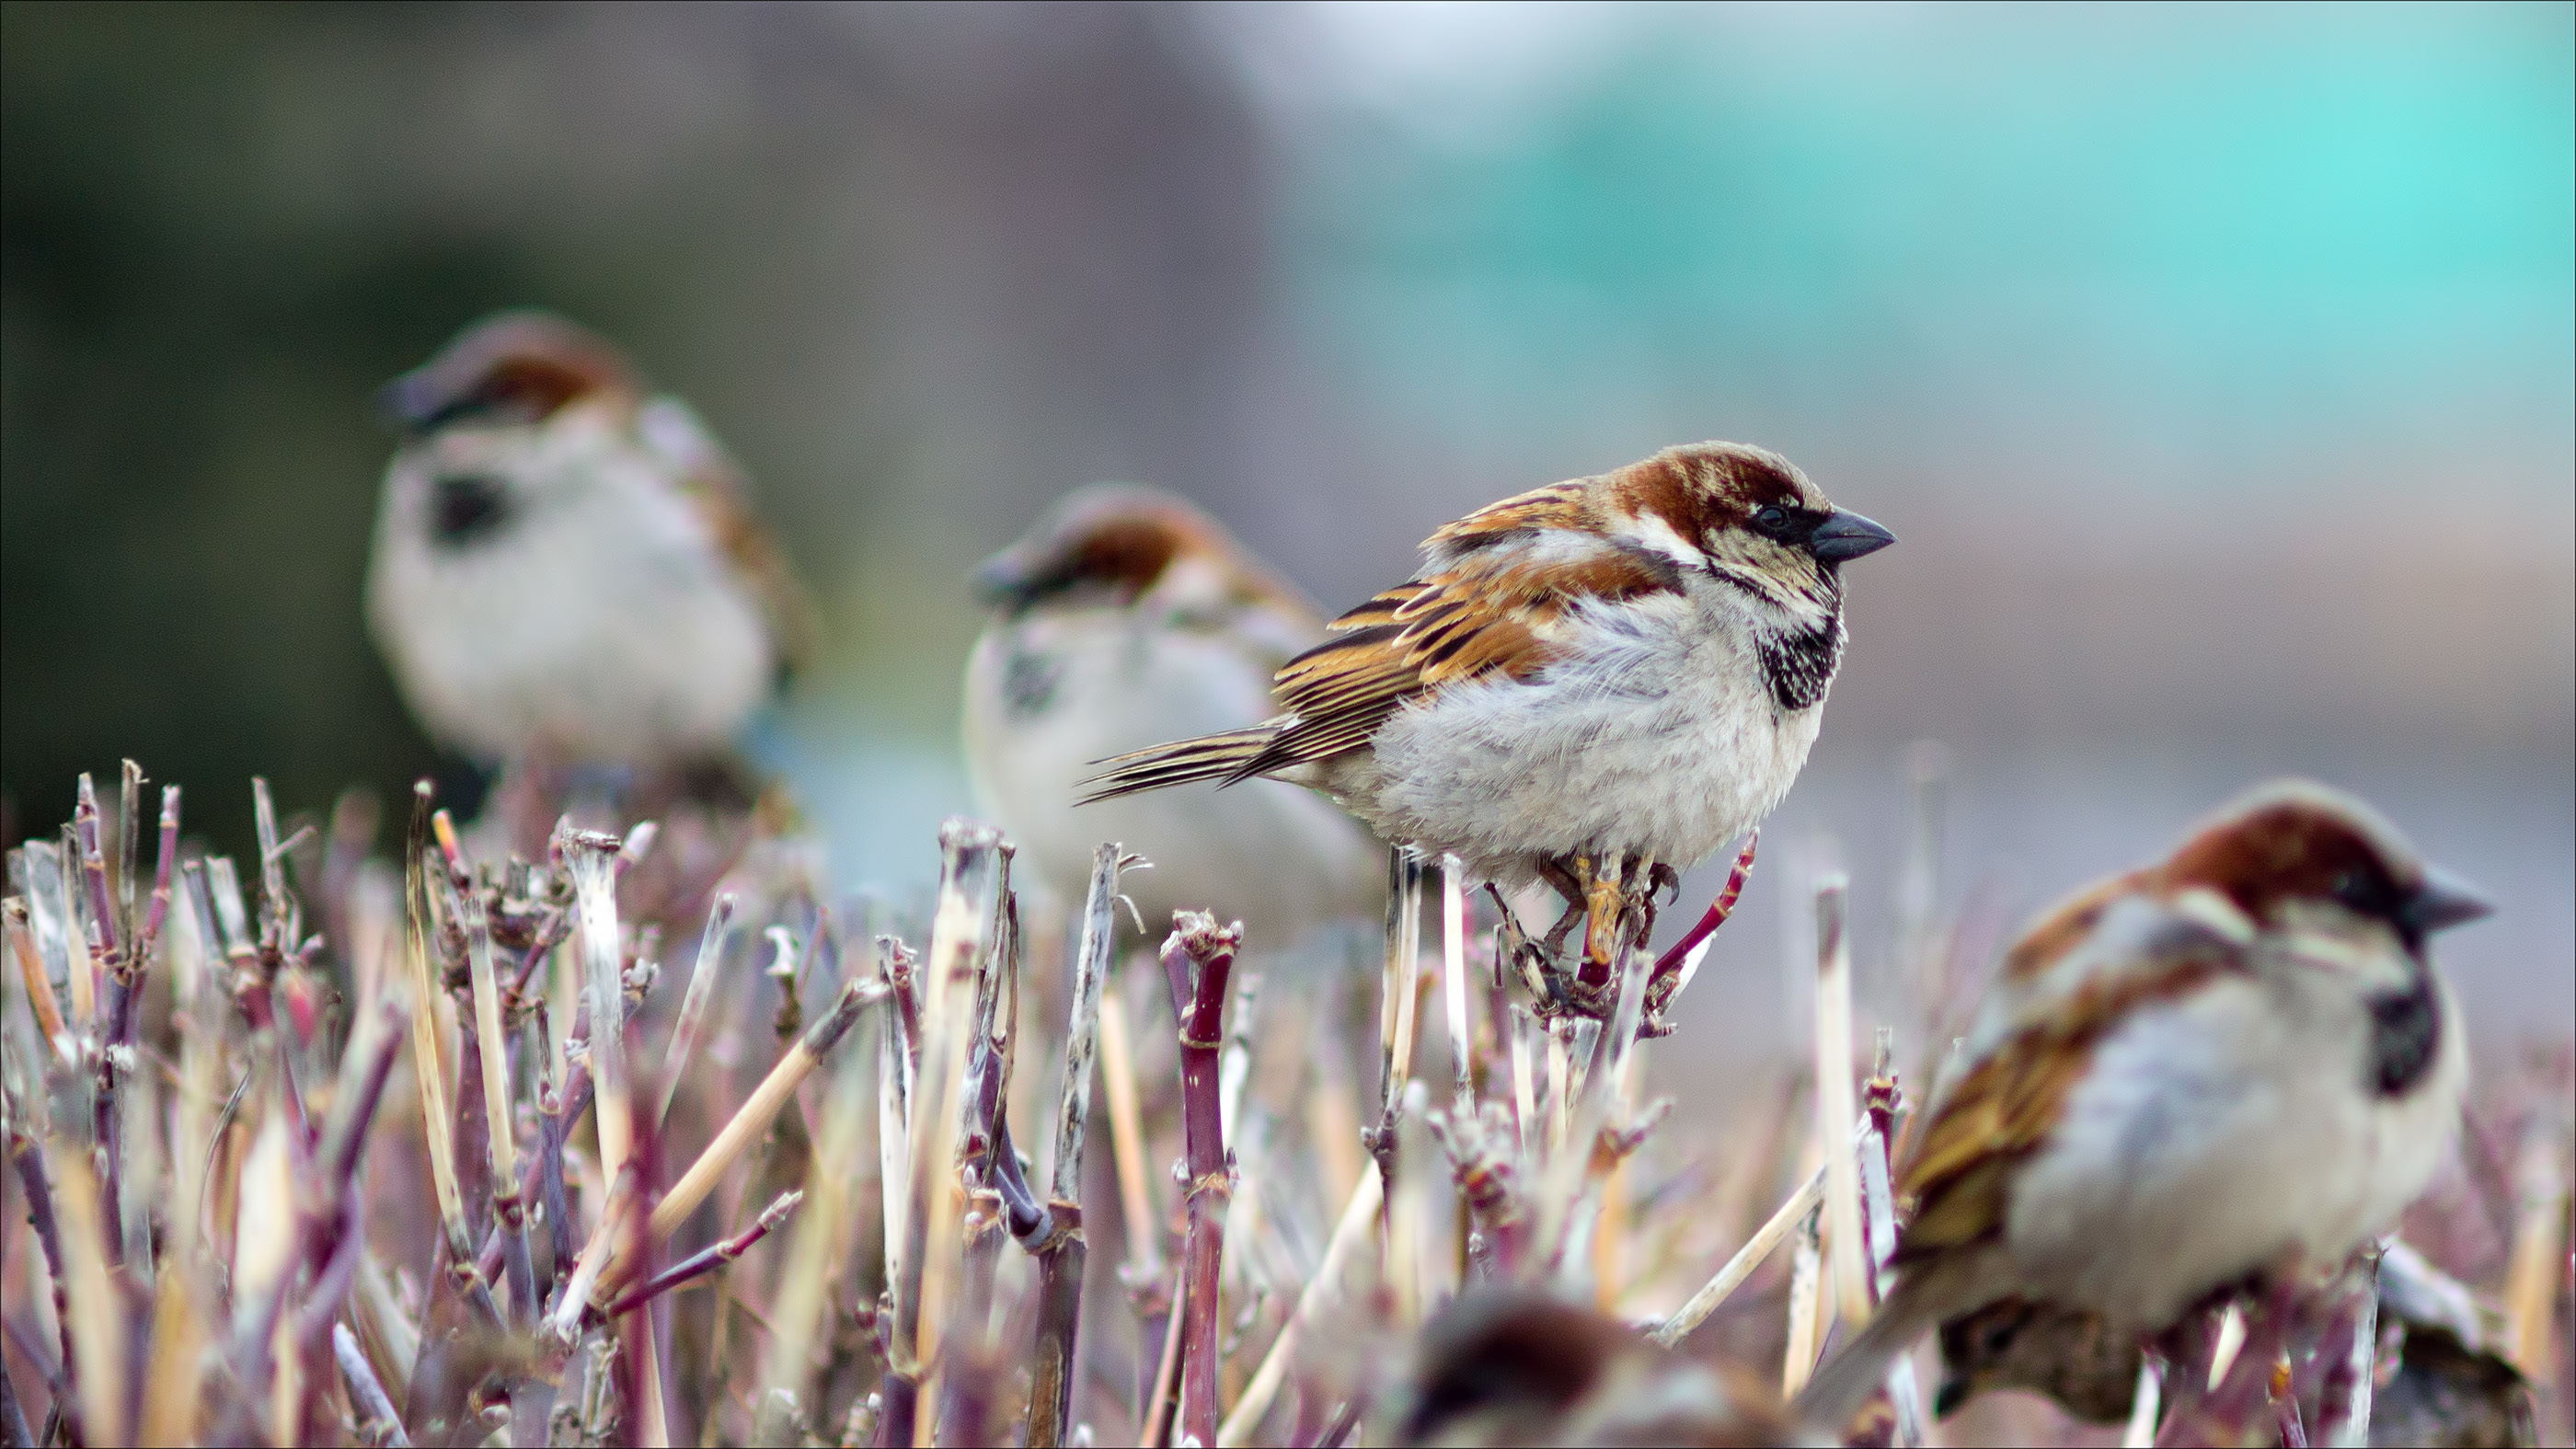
[(1847, 536), (2445, 900), (1008, 579), (411, 402)]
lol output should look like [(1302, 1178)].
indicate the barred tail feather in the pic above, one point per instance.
[(1209, 757)]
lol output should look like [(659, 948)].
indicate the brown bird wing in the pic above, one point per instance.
[(1960, 1171), (715, 486), (1484, 605)]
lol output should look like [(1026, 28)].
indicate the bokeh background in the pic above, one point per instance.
[(2216, 365)]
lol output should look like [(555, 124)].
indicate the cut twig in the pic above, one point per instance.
[(1061, 1253), (703, 974), (1791, 1214), (1834, 1105), (378, 1422), (969, 900), (1208, 950), (428, 1073), (1396, 1007)]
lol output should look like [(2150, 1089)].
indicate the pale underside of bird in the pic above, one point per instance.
[(566, 565), (1618, 673), (1125, 616), (2239, 1064)]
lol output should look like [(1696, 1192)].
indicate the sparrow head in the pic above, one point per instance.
[(513, 369), (1745, 515), (2300, 856), (1112, 545)]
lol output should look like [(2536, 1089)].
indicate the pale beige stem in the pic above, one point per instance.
[(1755, 1251), (1348, 1233), (1834, 1102)]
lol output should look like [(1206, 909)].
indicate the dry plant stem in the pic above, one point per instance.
[(703, 973), (106, 948), (753, 1117), (969, 901), (1453, 981), (1806, 1329), (1062, 1253), (1207, 950), (1357, 1215), (377, 1421), (1834, 1104), (1878, 1110), (427, 1071), (1756, 1249), (704, 1261), (29, 1159), (40, 992), (2539, 1259), (1395, 1012), (592, 859)]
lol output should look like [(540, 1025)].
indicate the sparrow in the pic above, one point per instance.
[(1123, 615), (1516, 1366), (566, 563), (2239, 1063), (1583, 683)]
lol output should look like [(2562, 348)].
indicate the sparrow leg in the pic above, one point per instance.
[(1604, 903)]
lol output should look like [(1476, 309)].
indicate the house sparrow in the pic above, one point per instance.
[(1515, 1366), (1124, 615), (1601, 678), (2237, 1062), (567, 565)]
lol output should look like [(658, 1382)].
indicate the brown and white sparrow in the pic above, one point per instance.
[(1127, 614), (1621, 672), (1514, 1366), (566, 563), (2239, 1061)]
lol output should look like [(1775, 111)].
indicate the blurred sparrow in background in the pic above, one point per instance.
[(2237, 1062), (1126, 615), (566, 567), (1513, 1366), (1612, 676)]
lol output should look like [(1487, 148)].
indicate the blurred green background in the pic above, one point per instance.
[(2216, 365)]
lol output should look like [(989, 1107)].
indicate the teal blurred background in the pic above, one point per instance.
[(2217, 366)]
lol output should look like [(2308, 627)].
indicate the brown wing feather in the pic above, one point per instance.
[(1489, 610), (2003, 1110)]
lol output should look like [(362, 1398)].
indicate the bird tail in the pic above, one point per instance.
[(1209, 757), (1846, 1381)]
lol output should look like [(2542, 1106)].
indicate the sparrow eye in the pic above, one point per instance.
[(1773, 520), (467, 508), (2357, 890)]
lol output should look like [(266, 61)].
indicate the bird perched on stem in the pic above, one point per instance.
[(1124, 615), (2237, 1063), (566, 566), (1591, 684)]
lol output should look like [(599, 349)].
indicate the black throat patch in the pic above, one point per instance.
[(2405, 1033), (1800, 666)]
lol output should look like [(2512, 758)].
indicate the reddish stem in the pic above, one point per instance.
[(1665, 978), (1205, 951)]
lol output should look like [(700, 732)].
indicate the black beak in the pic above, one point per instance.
[(2444, 900), (1847, 536)]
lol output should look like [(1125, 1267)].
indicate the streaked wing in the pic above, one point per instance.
[(1495, 599), (715, 485), (2004, 1107)]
